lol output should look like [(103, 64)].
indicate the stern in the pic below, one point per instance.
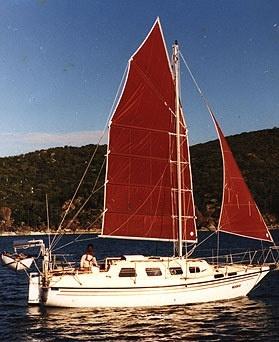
[(34, 289)]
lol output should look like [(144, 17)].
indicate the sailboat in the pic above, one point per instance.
[(149, 196)]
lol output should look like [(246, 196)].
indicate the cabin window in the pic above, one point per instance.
[(232, 274), (127, 272), (194, 269), (218, 275), (175, 270), (153, 272)]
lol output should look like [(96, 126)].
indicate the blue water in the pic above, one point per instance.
[(253, 319)]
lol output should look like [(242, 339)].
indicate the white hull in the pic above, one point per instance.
[(104, 289)]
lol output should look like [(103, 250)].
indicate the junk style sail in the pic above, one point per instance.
[(240, 214), (141, 189), (149, 195)]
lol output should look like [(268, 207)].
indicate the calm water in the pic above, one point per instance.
[(252, 319)]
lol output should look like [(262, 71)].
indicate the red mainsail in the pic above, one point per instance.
[(141, 180), (239, 212)]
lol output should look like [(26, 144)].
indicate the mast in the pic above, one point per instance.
[(178, 143)]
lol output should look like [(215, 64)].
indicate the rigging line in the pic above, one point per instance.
[(76, 214), (87, 239), (85, 202), (75, 193), (206, 102), (80, 209), (99, 141), (203, 241), (37, 268), (209, 108), (74, 241), (93, 191), (96, 219), (192, 76)]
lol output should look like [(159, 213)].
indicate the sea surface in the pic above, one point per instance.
[(253, 318)]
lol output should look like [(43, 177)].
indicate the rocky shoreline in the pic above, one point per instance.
[(95, 231), (34, 233)]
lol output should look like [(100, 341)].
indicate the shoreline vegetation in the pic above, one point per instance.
[(52, 232), (95, 231), (26, 180)]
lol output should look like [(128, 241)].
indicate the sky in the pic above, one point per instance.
[(61, 63)]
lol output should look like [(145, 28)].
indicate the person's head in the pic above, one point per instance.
[(90, 249)]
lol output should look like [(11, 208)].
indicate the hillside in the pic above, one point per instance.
[(25, 179)]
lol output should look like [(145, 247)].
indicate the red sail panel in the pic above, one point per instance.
[(139, 188), (239, 214)]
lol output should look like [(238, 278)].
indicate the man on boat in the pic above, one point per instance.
[(88, 260)]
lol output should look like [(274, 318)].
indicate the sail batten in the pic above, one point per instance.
[(239, 213), (141, 177)]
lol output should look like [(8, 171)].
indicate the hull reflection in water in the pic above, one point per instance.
[(235, 320)]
